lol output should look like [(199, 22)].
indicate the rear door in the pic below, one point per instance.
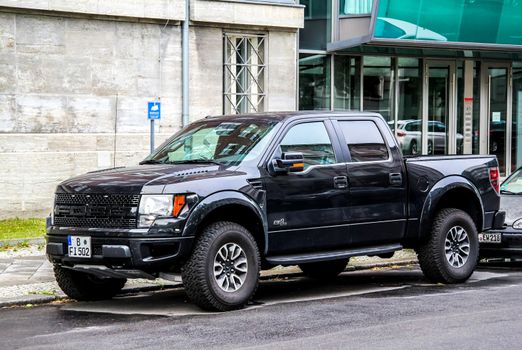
[(377, 181), (307, 210)]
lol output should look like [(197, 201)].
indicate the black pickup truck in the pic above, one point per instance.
[(228, 196)]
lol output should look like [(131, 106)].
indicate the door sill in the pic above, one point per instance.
[(294, 259)]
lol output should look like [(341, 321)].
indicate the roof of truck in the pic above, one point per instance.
[(282, 116)]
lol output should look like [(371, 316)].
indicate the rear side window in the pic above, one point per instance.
[(414, 126), (364, 141), (311, 139)]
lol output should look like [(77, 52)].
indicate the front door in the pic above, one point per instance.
[(496, 116), (306, 210)]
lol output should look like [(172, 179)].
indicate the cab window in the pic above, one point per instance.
[(312, 140), (364, 141)]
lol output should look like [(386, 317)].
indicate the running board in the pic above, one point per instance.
[(106, 272), (331, 255)]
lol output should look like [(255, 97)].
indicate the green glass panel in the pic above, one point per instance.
[(469, 21)]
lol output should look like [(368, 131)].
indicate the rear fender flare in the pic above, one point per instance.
[(438, 191)]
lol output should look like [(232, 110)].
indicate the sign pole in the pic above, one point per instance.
[(153, 113), (151, 135)]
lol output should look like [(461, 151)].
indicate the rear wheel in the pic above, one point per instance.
[(85, 287), (451, 253), (414, 149), (324, 269), (223, 270)]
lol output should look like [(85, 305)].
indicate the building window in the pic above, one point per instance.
[(355, 7), (318, 24), (378, 84), (347, 83), (244, 73), (314, 82)]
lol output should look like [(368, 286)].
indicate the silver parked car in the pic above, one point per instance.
[(409, 134)]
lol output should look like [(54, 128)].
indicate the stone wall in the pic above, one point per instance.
[(73, 89)]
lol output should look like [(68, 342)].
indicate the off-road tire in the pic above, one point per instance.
[(198, 272), (85, 287), (432, 257), (324, 270)]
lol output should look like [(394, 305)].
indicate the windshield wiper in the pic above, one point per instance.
[(150, 161), (196, 161), (507, 192)]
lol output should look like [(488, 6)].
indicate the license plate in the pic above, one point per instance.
[(490, 237), (79, 246)]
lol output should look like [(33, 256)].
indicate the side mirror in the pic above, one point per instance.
[(290, 162)]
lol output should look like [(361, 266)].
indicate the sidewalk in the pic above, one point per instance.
[(26, 277)]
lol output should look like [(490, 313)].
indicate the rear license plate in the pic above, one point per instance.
[(79, 246), (490, 237)]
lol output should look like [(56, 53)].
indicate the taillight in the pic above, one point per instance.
[(401, 133), (494, 178)]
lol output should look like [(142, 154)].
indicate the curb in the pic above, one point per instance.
[(45, 299), (31, 300)]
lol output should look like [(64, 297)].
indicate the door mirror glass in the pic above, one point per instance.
[(290, 162)]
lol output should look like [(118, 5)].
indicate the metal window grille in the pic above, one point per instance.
[(244, 73)]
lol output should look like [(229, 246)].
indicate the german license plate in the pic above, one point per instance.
[(79, 246), (490, 237)]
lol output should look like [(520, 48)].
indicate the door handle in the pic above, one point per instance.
[(396, 179), (340, 182)]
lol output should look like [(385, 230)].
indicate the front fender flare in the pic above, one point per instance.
[(442, 187), (219, 199)]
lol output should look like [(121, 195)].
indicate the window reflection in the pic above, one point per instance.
[(378, 86), (347, 83), (355, 7), (516, 145), (314, 82), (409, 126)]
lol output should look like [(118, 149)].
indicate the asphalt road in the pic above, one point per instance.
[(390, 309)]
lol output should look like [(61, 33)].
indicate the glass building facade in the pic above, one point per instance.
[(446, 75)]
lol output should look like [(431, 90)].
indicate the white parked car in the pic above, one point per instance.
[(409, 134)]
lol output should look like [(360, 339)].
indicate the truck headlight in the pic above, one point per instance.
[(518, 224), (163, 205)]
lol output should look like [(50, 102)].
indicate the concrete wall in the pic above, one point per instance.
[(73, 89)]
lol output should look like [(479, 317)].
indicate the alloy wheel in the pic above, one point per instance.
[(457, 246), (230, 267)]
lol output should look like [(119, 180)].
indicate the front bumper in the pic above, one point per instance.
[(510, 246), (151, 255)]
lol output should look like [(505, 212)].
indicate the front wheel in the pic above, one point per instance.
[(324, 270), (451, 253), (222, 272), (85, 287)]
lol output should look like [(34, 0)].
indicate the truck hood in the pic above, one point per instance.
[(143, 178)]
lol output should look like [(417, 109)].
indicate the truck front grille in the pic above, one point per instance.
[(96, 210)]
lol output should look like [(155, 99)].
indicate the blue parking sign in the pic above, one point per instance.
[(154, 111)]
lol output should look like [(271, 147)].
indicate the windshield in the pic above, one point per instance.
[(513, 184), (224, 142)]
